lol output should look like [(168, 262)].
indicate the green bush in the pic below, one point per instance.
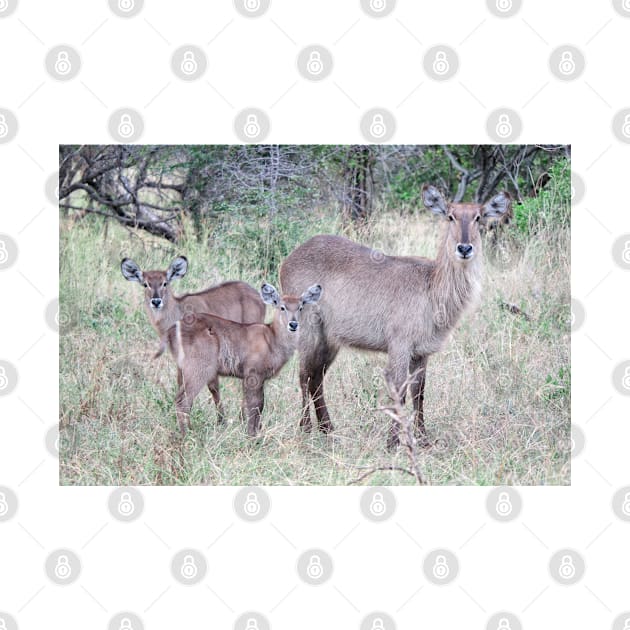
[(552, 207)]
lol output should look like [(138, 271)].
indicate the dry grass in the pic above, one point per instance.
[(497, 398)]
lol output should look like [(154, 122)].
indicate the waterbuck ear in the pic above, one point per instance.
[(269, 294), (433, 199), (178, 268), (131, 271), (497, 206), (311, 295)]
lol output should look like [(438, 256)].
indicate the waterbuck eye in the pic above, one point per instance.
[(451, 217), (282, 308), (146, 285), (478, 218)]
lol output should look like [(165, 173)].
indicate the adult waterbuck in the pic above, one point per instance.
[(235, 300), (405, 306), (206, 346)]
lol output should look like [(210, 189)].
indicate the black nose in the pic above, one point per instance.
[(465, 249), (157, 302), (293, 326)]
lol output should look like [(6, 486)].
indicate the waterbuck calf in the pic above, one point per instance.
[(205, 347), (233, 300), (405, 306)]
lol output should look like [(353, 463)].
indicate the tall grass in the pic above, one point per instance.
[(497, 399)]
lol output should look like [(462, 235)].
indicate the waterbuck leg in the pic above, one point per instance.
[(417, 376), (254, 404), (396, 379), (305, 420), (316, 386), (213, 386)]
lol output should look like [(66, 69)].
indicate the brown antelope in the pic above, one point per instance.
[(234, 300), (405, 306), (205, 347)]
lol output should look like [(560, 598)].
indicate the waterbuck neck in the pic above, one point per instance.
[(284, 342), (454, 284), (162, 319)]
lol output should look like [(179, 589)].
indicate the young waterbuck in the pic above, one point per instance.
[(405, 306), (234, 300), (205, 347)]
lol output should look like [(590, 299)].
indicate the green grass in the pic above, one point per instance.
[(497, 397)]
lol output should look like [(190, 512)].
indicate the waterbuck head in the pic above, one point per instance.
[(463, 237), (156, 283), (289, 306)]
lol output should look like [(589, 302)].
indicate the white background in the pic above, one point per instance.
[(378, 63)]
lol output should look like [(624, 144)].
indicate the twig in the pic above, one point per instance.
[(373, 470)]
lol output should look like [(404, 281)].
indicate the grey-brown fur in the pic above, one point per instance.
[(205, 347), (403, 305)]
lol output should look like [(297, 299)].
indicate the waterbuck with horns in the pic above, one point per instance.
[(404, 306), (206, 347)]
